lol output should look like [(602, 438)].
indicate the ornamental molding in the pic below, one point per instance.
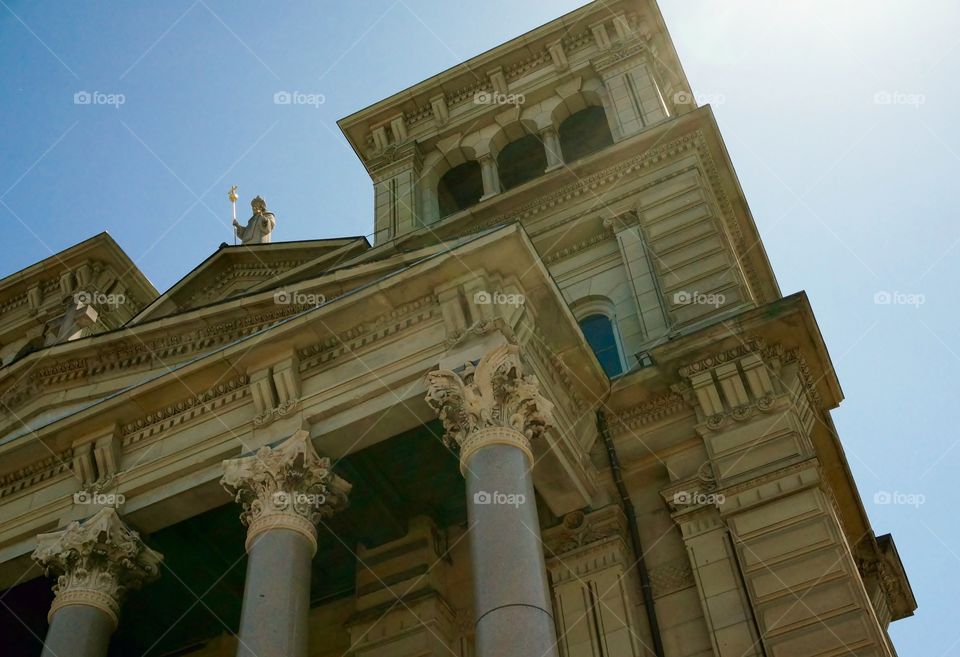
[(694, 142), (287, 486), (492, 395), (183, 411), (736, 384), (561, 254), (89, 276), (671, 577), (749, 345), (36, 473), (347, 343), (558, 371), (239, 271), (131, 352), (96, 562), (579, 529), (654, 409)]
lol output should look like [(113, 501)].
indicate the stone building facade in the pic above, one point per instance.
[(558, 407)]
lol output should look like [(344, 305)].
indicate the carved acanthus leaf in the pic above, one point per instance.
[(287, 479), (494, 393), (98, 558)]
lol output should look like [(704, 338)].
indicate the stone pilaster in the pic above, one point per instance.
[(595, 585), (96, 563), (491, 412), (284, 491)]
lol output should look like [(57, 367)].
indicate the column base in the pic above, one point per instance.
[(516, 631)]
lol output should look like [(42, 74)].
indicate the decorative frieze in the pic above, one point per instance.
[(96, 562), (285, 487), (240, 271), (138, 352), (348, 342), (671, 577), (184, 410), (579, 529), (36, 473), (652, 410)]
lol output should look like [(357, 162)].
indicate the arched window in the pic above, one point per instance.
[(520, 161), (459, 188), (583, 133), (599, 332)]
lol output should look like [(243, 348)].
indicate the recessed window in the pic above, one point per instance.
[(583, 133), (459, 188), (520, 161), (599, 332)]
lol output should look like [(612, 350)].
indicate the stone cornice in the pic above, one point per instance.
[(155, 423), (404, 316), (128, 352), (36, 473), (654, 409)]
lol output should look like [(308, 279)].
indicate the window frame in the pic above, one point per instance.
[(585, 308)]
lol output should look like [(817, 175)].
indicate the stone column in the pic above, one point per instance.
[(551, 144), (96, 562), (491, 412), (284, 491), (491, 178)]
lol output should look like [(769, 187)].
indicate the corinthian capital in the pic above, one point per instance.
[(288, 486), (493, 401), (96, 562)]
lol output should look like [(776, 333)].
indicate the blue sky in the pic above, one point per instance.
[(839, 117)]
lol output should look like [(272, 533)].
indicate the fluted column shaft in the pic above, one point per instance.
[(284, 492), (491, 412), (96, 562)]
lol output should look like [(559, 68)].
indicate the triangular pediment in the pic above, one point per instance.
[(237, 270), (89, 288)]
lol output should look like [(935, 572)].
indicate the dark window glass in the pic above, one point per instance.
[(598, 330), (520, 161), (459, 188), (583, 133)]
